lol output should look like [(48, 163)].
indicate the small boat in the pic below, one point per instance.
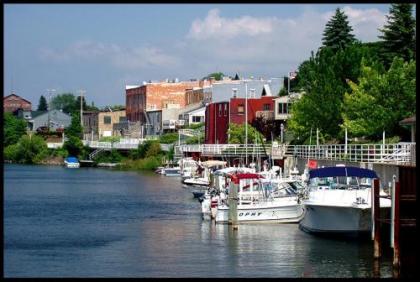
[(172, 171), (198, 194), (338, 203), (262, 201), (71, 162)]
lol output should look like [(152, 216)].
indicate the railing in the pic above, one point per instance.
[(55, 145), (189, 132), (400, 153)]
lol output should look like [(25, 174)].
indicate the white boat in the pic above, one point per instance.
[(188, 167), (204, 171), (262, 201), (71, 162), (171, 171), (210, 199), (342, 206)]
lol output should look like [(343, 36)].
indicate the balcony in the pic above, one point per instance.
[(267, 115)]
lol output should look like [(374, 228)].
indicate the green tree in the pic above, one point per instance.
[(13, 129), (73, 145), (237, 134), (28, 150), (75, 129), (216, 75), (337, 34), (65, 102), (42, 105), (379, 101), (399, 34), (323, 78)]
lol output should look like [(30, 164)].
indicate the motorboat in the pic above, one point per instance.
[(71, 162), (338, 203), (262, 201), (188, 167), (204, 171), (171, 171)]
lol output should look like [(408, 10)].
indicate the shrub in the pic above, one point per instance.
[(168, 138)]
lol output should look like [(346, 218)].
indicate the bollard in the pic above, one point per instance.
[(375, 220)]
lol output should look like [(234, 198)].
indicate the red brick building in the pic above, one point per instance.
[(13, 102), (217, 123), (155, 96), (263, 106)]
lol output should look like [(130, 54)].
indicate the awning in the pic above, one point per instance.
[(348, 171)]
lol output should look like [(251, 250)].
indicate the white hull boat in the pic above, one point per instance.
[(340, 210)]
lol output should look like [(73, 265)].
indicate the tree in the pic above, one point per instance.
[(268, 128), (216, 75), (337, 34), (379, 101), (399, 34), (323, 77), (73, 145), (29, 150), (237, 134), (13, 129), (65, 102), (42, 105), (75, 129)]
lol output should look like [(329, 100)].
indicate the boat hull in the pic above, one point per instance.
[(291, 213), (349, 220)]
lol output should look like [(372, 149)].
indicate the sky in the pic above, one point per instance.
[(100, 48)]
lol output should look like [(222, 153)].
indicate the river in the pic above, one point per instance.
[(93, 222)]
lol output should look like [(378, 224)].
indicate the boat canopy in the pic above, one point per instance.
[(229, 170), (212, 163), (349, 171), (71, 160), (238, 176)]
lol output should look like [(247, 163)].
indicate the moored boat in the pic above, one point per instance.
[(71, 162)]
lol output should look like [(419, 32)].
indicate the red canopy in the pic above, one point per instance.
[(236, 177)]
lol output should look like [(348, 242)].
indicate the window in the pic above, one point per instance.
[(123, 119), (283, 108), (266, 107), (226, 109), (107, 119), (241, 109), (220, 110), (196, 119)]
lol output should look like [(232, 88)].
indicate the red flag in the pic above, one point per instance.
[(312, 164)]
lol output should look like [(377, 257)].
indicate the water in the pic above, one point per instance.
[(92, 222)]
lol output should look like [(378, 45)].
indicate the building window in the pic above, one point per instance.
[(266, 107), (196, 119), (220, 110), (123, 119), (225, 110), (107, 120), (241, 109), (283, 108)]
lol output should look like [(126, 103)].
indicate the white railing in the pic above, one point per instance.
[(400, 153)]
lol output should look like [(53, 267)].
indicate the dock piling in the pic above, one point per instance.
[(376, 231), (233, 203)]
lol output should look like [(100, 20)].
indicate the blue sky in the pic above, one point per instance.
[(101, 48)]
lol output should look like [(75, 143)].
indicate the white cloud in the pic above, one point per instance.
[(214, 26), (121, 57)]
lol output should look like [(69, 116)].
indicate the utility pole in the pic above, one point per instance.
[(81, 108), (49, 106)]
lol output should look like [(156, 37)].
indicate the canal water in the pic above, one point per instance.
[(93, 222)]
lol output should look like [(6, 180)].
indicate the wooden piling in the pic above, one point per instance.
[(376, 223), (396, 240), (233, 203)]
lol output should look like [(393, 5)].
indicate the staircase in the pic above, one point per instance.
[(94, 153)]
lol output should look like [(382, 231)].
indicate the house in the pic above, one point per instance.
[(410, 121), (90, 125), (56, 119), (106, 121), (257, 107), (216, 123), (13, 102), (282, 106), (193, 116)]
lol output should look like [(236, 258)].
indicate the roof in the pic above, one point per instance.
[(349, 171), (408, 121), (13, 94)]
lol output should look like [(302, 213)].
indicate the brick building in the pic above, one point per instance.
[(217, 123), (13, 102), (107, 120), (155, 96), (257, 107)]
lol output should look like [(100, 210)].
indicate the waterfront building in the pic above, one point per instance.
[(13, 102), (56, 119), (90, 125), (155, 96), (217, 123), (107, 120), (282, 106), (193, 115)]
